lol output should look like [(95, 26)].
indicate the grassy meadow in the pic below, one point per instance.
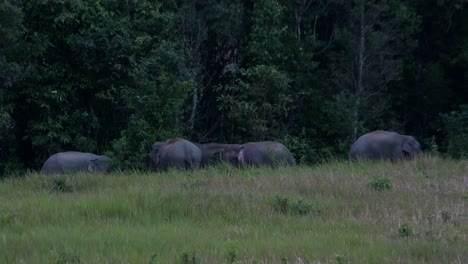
[(338, 212)]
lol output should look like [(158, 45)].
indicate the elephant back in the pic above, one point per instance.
[(277, 152), (73, 161), (386, 145), (180, 154)]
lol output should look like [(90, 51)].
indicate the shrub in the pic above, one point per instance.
[(189, 257), (456, 127), (339, 259), (60, 185), (404, 230), (153, 259), (68, 258), (231, 248), (300, 206), (281, 204), (446, 216), (380, 183), (7, 218)]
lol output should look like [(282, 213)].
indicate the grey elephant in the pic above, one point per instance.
[(257, 154), (175, 153), (384, 145), (73, 161), (153, 152), (212, 152)]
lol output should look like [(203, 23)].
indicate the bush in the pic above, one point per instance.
[(231, 249), (300, 206), (380, 183), (456, 128), (281, 204), (404, 230), (68, 258), (189, 257), (60, 185)]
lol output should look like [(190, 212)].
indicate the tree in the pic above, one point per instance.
[(11, 71), (257, 102), (371, 43)]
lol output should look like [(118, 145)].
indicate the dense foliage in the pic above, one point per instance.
[(115, 76)]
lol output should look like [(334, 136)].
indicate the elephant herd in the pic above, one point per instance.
[(182, 154)]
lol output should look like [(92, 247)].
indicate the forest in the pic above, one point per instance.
[(112, 77)]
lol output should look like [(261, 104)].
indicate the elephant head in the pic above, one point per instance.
[(100, 163), (230, 154), (212, 153), (411, 146), (153, 156)]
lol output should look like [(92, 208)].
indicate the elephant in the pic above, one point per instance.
[(212, 152), (154, 151), (257, 154), (384, 145), (74, 161), (175, 153)]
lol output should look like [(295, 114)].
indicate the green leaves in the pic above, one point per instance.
[(118, 75), (268, 33), (456, 127)]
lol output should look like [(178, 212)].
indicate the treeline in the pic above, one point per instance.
[(114, 76)]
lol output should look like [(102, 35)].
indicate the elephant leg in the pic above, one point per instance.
[(188, 164), (241, 157)]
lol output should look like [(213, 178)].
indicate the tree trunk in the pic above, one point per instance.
[(361, 61), (196, 90)]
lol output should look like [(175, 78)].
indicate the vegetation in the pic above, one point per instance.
[(380, 183), (221, 214), (115, 76)]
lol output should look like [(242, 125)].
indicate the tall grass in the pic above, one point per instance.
[(223, 215)]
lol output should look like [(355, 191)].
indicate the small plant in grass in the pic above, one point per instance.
[(189, 257), (430, 219), (284, 205), (339, 259), (7, 219), (404, 230), (60, 185), (231, 256), (153, 259), (231, 250), (380, 183), (446, 216), (67, 258), (301, 207), (194, 183), (281, 204)]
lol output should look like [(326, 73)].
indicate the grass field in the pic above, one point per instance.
[(413, 212)]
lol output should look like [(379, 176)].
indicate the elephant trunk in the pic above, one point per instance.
[(241, 157)]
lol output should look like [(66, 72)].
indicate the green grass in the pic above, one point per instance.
[(225, 215)]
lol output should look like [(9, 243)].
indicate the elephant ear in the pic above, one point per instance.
[(217, 156), (408, 148)]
